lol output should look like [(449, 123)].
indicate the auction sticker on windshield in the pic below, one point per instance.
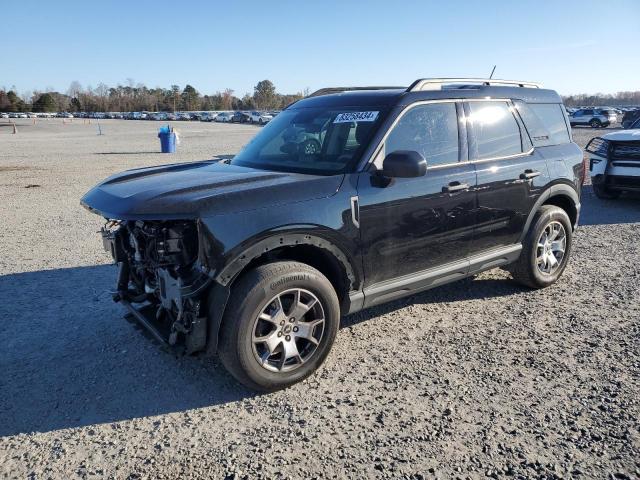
[(356, 117)]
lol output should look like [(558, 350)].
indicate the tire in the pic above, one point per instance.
[(254, 295), (310, 146), (595, 123), (603, 193), (526, 270)]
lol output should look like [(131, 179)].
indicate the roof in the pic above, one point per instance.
[(381, 96)]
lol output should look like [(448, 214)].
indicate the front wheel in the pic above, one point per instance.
[(279, 326), (545, 250), (595, 123)]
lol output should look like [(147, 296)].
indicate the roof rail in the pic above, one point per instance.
[(439, 83), (330, 90)]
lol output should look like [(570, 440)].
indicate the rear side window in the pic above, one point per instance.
[(545, 123), (429, 129), (496, 129)]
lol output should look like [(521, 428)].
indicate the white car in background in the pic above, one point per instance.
[(224, 117), (614, 163), (594, 117), (260, 117)]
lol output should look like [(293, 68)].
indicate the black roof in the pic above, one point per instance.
[(400, 96)]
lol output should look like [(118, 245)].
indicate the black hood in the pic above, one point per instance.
[(200, 189)]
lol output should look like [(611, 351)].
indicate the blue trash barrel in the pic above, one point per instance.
[(167, 140)]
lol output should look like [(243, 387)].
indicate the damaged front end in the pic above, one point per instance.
[(161, 280)]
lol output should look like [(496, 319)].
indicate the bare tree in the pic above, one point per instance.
[(227, 99), (74, 89)]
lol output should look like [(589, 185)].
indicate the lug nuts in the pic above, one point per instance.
[(292, 319), (279, 334), (282, 322), (287, 338), (295, 329)]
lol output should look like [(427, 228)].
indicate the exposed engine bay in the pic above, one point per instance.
[(160, 271)]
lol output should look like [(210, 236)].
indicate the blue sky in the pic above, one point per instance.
[(571, 46)]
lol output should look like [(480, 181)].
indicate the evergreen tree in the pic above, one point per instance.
[(45, 103), (264, 95)]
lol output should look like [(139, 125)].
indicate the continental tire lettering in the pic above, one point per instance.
[(285, 280)]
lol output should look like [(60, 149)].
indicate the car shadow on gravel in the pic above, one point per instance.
[(594, 211), (68, 358)]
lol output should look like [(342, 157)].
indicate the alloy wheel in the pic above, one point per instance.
[(551, 248), (288, 331)]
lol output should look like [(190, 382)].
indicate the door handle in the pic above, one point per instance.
[(528, 174), (455, 187)]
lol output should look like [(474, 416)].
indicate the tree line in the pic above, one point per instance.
[(139, 97), (619, 99)]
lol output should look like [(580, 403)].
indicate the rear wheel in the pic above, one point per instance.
[(604, 193), (595, 123), (279, 326), (545, 250)]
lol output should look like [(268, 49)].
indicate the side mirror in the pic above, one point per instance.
[(404, 164)]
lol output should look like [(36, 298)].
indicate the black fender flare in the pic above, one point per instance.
[(557, 190), (220, 290), (281, 239)]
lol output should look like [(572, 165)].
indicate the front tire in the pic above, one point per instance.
[(545, 250), (279, 326)]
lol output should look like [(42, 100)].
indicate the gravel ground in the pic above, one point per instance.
[(478, 378)]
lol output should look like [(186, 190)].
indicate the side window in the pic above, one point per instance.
[(431, 130), (552, 117), (587, 112), (544, 122), (496, 129)]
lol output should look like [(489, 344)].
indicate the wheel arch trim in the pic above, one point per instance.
[(278, 240), (557, 190)]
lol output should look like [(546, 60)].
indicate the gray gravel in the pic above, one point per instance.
[(477, 379)]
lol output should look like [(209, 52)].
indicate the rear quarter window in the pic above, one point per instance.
[(544, 122)]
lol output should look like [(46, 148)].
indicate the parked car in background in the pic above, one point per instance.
[(183, 116), (224, 117), (629, 117), (614, 162), (260, 117), (240, 117), (594, 117), (158, 116)]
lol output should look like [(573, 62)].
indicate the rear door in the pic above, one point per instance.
[(511, 174)]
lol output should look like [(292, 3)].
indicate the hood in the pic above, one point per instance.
[(200, 189), (623, 135)]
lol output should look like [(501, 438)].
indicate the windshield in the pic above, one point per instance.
[(320, 141)]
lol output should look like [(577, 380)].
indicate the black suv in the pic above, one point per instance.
[(347, 199)]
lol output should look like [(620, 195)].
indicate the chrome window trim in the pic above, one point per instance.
[(506, 157)]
